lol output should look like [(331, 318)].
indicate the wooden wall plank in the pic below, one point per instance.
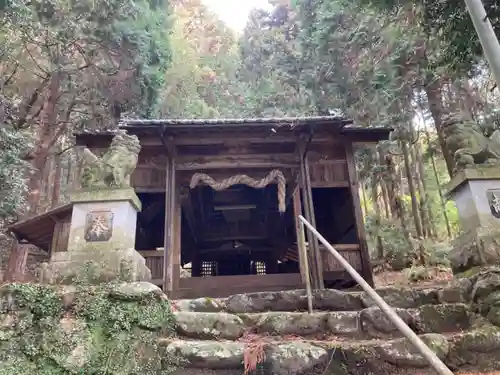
[(218, 286)]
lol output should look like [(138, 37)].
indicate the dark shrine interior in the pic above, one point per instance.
[(239, 231)]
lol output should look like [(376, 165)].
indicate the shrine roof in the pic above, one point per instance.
[(241, 126)]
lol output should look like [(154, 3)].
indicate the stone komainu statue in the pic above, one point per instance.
[(114, 168), (468, 144)]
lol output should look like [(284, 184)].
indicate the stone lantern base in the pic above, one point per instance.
[(476, 192), (101, 240)]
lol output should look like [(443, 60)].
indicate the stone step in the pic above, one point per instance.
[(478, 347), (369, 322), (327, 299)]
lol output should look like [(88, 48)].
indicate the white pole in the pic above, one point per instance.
[(428, 354), (487, 36)]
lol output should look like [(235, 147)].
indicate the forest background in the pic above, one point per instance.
[(66, 65)]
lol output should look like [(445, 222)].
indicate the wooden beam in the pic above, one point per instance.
[(232, 238), (221, 139), (330, 184), (358, 214), (254, 157), (255, 162), (152, 189)]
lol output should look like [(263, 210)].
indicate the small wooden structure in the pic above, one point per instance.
[(236, 238)]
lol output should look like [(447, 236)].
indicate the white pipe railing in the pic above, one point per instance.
[(302, 247), (417, 342)]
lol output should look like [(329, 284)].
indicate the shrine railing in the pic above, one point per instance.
[(416, 341)]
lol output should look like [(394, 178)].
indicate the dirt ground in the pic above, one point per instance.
[(398, 278)]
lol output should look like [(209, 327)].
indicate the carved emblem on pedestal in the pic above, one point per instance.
[(98, 226), (493, 197)]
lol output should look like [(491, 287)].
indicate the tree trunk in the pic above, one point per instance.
[(45, 139), (441, 198), (435, 100), (413, 193), (16, 267), (56, 187), (438, 184), (425, 206), (363, 194), (376, 207), (76, 169), (386, 199), (46, 185), (402, 212), (391, 185), (383, 185), (397, 206)]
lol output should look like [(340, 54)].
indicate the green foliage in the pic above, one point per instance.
[(40, 300), (397, 251), (105, 56), (201, 82), (418, 273), (449, 25), (13, 187), (272, 66)]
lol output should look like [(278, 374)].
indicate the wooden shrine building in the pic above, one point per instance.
[(222, 235)]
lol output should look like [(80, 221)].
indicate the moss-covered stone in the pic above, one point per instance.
[(457, 291), (375, 323), (94, 333), (488, 281), (209, 325), (494, 315), (402, 353), (475, 248), (475, 348), (442, 318), (107, 195), (96, 266), (204, 304), (403, 297)]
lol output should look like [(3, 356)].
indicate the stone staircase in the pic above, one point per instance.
[(346, 333)]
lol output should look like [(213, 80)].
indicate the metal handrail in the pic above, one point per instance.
[(426, 352)]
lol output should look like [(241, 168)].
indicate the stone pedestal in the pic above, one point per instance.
[(101, 240), (476, 193)]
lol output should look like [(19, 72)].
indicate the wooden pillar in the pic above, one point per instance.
[(315, 256), (176, 242), (358, 214), (170, 200)]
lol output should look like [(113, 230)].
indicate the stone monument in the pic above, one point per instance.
[(475, 188), (103, 223)]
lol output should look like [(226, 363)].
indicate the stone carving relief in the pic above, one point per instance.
[(493, 197), (98, 226)]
